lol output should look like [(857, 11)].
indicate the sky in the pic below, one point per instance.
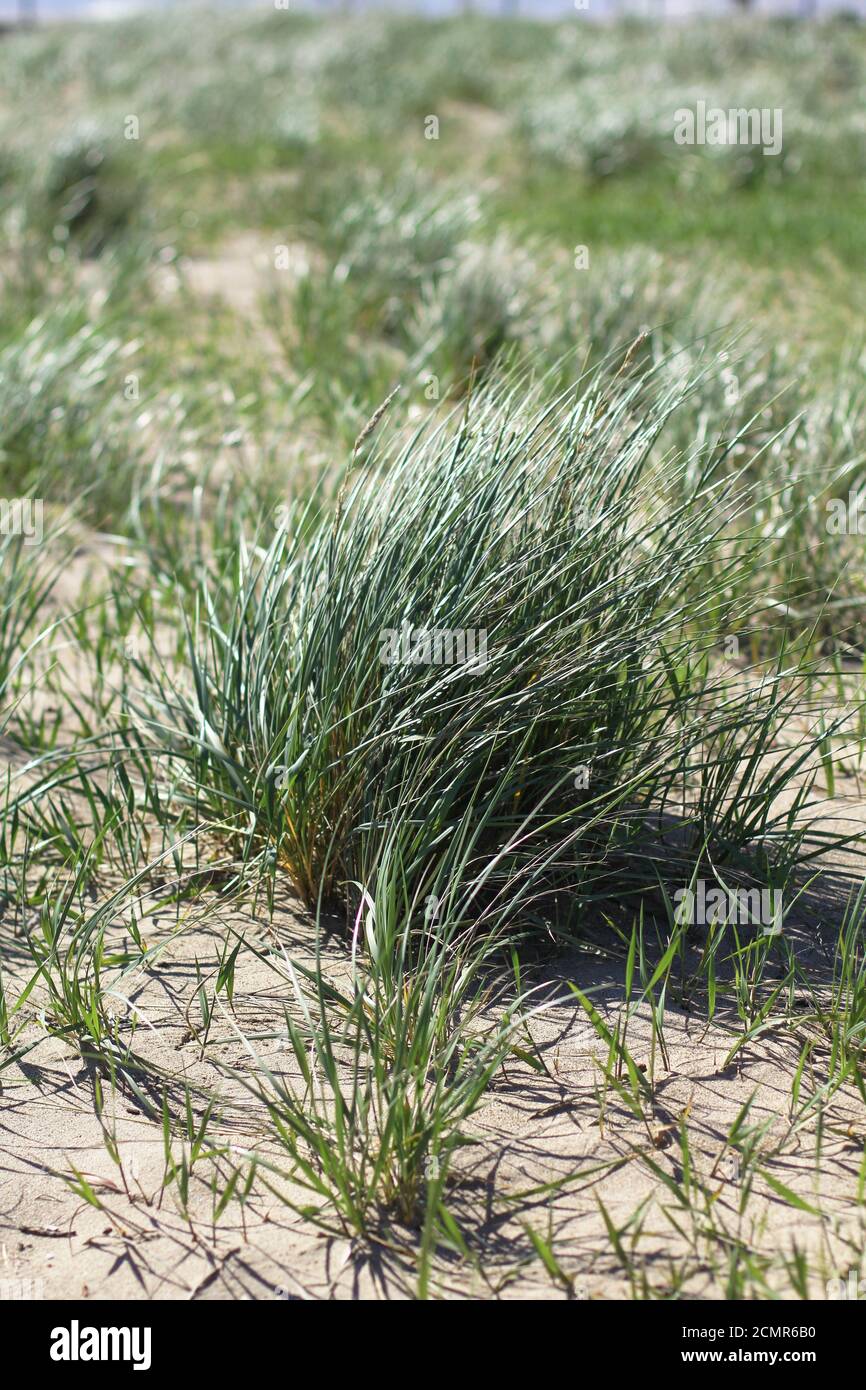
[(105, 9)]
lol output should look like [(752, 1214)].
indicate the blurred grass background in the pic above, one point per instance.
[(222, 226)]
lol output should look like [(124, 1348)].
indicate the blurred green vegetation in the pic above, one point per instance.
[(153, 171)]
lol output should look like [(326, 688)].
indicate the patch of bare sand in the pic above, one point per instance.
[(550, 1148), (240, 273), (237, 272), (140, 1243), (570, 1131)]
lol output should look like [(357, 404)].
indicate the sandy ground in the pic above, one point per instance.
[(532, 1130)]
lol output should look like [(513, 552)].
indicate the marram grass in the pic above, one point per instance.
[(329, 704)]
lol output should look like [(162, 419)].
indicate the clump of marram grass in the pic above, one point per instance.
[(61, 382), (90, 191), (25, 584), (491, 300), (387, 240), (324, 709)]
